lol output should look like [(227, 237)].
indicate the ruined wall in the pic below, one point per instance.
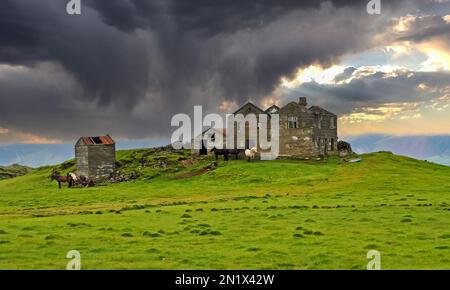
[(81, 156), (248, 143), (297, 141), (95, 161), (325, 133), (102, 159)]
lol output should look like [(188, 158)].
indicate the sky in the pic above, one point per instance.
[(125, 67)]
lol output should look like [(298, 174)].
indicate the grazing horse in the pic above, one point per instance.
[(80, 180), (251, 153), (61, 179), (73, 179), (236, 152), (85, 181), (224, 152)]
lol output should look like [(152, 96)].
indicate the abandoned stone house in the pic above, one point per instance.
[(95, 156), (304, 131)]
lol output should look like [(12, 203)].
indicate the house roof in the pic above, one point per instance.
[(98, 140), (251, 105), (217, 130), (314, 109), (320, 109), (273, 106)]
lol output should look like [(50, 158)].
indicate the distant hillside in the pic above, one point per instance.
[(35, 155), (13, 171), (432, 148)]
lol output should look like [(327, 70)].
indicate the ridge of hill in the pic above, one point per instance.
[(13, 170)]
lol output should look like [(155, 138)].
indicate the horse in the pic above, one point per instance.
[(80, 180), (236, 152), (85, 181), (72, 179), (224, 152), (251, 153), (61, 179)]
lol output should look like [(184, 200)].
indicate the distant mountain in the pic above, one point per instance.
[(36, 155), (432, 148)]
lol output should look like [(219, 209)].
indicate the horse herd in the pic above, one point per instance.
[(72, 179), (249, 153)]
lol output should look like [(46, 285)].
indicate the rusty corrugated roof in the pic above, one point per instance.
[(98, 140)]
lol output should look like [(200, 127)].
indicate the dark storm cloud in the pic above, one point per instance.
[(127, 66), (426, 28), (205, 16), (346, 74)]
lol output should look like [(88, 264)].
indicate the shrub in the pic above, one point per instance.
[(150, 234)]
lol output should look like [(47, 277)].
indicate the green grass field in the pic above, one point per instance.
[(281, 214)]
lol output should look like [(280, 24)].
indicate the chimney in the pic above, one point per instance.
[(302, 101)]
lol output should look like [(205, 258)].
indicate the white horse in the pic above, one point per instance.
[(250, 153), (73, 176)]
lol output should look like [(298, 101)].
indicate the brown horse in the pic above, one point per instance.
[(84, 181), (61, 179)]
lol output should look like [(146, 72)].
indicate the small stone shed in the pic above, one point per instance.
[(95, 156)]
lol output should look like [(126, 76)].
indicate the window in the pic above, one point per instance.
[(319, 121), (292, 122), (332, 123)]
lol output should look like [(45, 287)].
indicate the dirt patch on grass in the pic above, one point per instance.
[(201, 171)]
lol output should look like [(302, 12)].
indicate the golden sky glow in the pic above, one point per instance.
[(13, 136), (430, 116)]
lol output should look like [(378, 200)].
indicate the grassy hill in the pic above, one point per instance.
[(282, 214), (13, 171)]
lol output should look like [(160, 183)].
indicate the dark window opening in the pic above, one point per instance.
[(292, 123), (203, 151), (96, 140), (332, 123)]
